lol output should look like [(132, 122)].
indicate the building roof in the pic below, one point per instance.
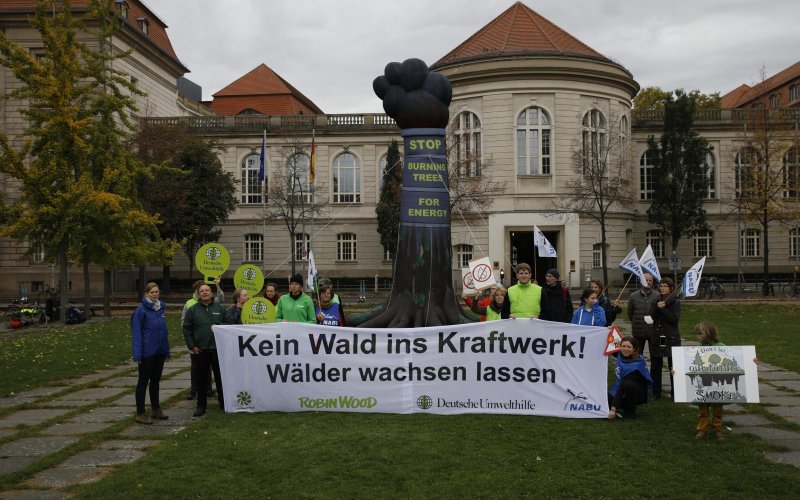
[(519, 31), (264, 91), (745, 94)]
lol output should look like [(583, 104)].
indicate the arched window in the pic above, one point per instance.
[(533, 142), (346, 179), (750, 243), (745, 174), (297, 184), (249, 112), (655, 238), (646, 183), (468, 144), (594, 137), (624, 132), (711, 176), (704, 243), (791, 174), (346, 247), (463, 255), (251, 188)]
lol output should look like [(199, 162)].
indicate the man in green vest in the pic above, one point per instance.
[(524, 300)]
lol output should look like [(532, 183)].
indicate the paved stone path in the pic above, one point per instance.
[(51, 419)]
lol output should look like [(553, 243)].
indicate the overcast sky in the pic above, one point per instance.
[(331, 50)]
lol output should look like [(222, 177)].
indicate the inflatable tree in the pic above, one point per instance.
[(422, 293)]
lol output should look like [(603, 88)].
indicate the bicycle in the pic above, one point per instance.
[(714, 289), (791, 289), (26, 314)]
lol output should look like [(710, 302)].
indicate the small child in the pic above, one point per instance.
[(707, 335)]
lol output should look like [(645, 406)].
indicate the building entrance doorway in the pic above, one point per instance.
[(522, 250)]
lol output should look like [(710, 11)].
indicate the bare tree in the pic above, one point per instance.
[(767, 179), (292, 198), (601, 183)]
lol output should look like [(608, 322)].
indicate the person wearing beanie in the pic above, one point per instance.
[(556, 302), (296, 306)]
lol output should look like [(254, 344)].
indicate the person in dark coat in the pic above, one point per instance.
[(632, 379), (639, 305), (666, 312), (556, 302), (150, 350)]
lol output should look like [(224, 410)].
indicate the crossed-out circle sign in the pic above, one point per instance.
[(482, 274), (469, 282), (212, 260)]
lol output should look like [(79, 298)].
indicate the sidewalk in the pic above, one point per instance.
[(50, 420)]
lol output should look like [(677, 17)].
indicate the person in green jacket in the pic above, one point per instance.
[(296, 306), (200, 340), (524, 300)]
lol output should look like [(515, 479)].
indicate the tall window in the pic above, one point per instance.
[(468, 144), (37, 253), (346, 179), (301, 241), (794, 242), (251, 188), (253, 247), (794, 92), (297, 178), (123, 8), (533, 142), (388, 254), (346, 246), (751, 243), (646, 183), (742, 171), (381, 172), (144, 25), (791, 174), (703, 243), (655, 238), (463, 255), (775, 101), (711, 176), (623, 138), (597, 255), (594, 137)]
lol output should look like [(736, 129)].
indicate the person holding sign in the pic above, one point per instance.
[(327, 311), (150, 350), (200, 340), (665, 314), (494, 309), (235, 311), (219, 298), (630, 387), (524, 299), (296, 306)]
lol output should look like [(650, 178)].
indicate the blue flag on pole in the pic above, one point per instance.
[(262, 160)]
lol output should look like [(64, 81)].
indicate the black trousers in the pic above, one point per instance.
[(193, 388), (656, 365), (629, 394), (201, 363), (150, 369)]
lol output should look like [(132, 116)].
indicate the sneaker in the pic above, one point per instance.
[(142, 418), (700, 435), (159, 415), (199, 412)]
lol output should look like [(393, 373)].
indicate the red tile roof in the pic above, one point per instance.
[(264, 91), (519, 31), (745, 94)]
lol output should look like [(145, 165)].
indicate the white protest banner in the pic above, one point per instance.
[(631, 264), (649, 265), (467, 281), (691, 280), (715, 374), (482, 275), (520, 367), (541, 243)]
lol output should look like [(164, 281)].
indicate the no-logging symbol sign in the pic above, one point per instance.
[(482, 273), (468, 281)]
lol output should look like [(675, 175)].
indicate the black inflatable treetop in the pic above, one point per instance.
[(414, 96)]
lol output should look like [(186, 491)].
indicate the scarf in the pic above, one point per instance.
[(152, 305)]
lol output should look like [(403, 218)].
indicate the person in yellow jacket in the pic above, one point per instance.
[(524, 300)]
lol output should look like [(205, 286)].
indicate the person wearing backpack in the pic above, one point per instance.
[(556, 302)]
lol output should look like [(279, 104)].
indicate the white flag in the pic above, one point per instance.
[(311, 278), (631, 264), (649, 265), (691, 280), (544, 246)]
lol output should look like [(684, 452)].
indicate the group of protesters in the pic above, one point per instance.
[(202, 311)]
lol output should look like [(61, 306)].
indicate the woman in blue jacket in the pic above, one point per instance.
[(589, 313), (150, 350)]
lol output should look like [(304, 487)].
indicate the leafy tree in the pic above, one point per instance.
[(471, 193), (679, 171), (189, 190), (72, 179), (655, 98), (600, 186), (291, 198), (714, 359), (697, 359), (767, 176), (388, 207)]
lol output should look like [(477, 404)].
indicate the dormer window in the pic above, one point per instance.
[(794, 92), (144, 24), (775, 101), (122, 7)]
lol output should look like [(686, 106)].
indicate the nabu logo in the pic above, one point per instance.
[(424, 402), (249, 273), (213, 253), (243, 398), (259, 307), (579, 402)]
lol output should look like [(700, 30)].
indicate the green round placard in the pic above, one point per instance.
[(212, 260), (250, 278), (258, 310)]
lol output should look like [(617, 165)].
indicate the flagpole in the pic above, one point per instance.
[(624, 287), (263, 182)]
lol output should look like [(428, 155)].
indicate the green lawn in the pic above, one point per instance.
[(340, 455)]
